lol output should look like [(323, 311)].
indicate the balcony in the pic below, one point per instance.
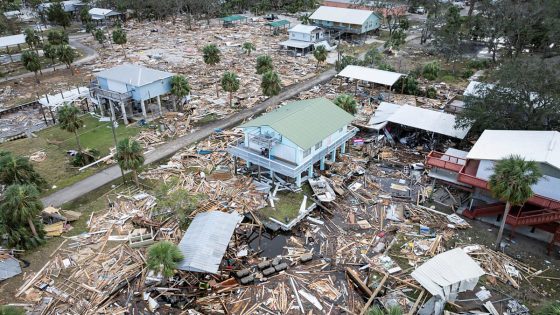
[(97, 91), (264, 140), (445, 161), (283, 167)]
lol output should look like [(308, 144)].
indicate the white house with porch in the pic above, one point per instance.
[(129, 86), (290, 140), (303, 38)]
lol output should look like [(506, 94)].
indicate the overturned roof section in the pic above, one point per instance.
[(538, 146), (381, 114), (476, 88), (9, 267), (206, 241), (304, 122), (448, 273), (12, 40), (301, 28), (341, 15), (134, 75), (383, 77), (429, 120)]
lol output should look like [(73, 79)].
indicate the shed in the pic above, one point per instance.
[(428, 120), (387, 78), (275, 25), (229, 20), (9, 267), (206, 240), (448, 273), (101, 14)]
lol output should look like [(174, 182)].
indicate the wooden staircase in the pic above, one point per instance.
[(485, 210), (534, 217)]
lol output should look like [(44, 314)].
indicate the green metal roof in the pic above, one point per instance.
[(233, 18), (278, 23), (306, 122)]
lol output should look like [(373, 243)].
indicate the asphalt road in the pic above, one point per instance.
[(112, 173)]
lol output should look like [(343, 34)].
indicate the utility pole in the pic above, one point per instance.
[(115, 136)]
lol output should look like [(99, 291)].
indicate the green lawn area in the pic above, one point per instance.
[(287, 206), (56, 169)]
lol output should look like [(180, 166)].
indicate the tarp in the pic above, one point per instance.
[(206, 240), (9, 267), (448, 273), (377, 76)]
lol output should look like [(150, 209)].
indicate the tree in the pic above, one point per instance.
[(211, 54), (119, 38), (248, 47), (550, 308), (21, 205), (90, 28), (448, 38), (164, 257), (100, 36), (31, 62), (305, 20), (264, 64), (11, 310), (57, 15), (17, 170), (511, 181), (69, 120), (397, 40), (179, 88), (230, 83), (320, 53), (525, 96), (67, 55), (32, 39), (50, 52), (57, 38), (271, 84), (346, 102), (431, 70), (130, 157), (84, 15)]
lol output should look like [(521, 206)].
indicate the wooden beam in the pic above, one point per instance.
[(356, 278), (364, 310)]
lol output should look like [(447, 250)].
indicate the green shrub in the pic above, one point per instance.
[(431, 92), (477, 64), (431, 70), (549, 309), (467, 74)]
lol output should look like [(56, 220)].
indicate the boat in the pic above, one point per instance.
[(321, 189)]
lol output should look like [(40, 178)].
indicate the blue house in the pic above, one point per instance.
[(130, 86), (291, 139), (344, 20)]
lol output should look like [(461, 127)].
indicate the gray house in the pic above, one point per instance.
[(344, 20), (130, 85)]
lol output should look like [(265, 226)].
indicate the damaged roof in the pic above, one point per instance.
[(538, 146), (382, 77), (304, 122), (133, 74), (341, 15), (206, 240)]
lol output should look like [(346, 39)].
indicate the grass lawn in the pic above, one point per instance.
[(56, 169), (287, 205)]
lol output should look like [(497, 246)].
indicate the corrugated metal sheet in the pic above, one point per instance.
[(8, 268), (382, 77), (206, 241), (341, 15), (429, 120), (448, 273), (134, 75), (304, 122)]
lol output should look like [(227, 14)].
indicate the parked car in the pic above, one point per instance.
[(271, 17)]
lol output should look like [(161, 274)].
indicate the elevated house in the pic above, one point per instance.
[(472, 170), (291, 139), (70, 6), (103, 15), (346, 21), (384, 8), (129, 86), (303, 38)]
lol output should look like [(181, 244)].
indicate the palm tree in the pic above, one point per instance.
[(119, 38), (305, 20), (264, 64), (17, 170), (248, 47), (100, 36), (130, 157), (164, 257), (211, 56), (66, 54), (346, 102), (320, 53), (179, 88), (69, 119), (51, 53), (21, 204), (271, 84), (31, 62), (230, 83), (393, 310), (512, 181), (32, 39)]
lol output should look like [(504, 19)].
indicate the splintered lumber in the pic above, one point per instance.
[(415, 306), (356, 279), (379, 287)]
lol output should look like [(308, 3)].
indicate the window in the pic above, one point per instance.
[(306, 152), (318, 145)]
